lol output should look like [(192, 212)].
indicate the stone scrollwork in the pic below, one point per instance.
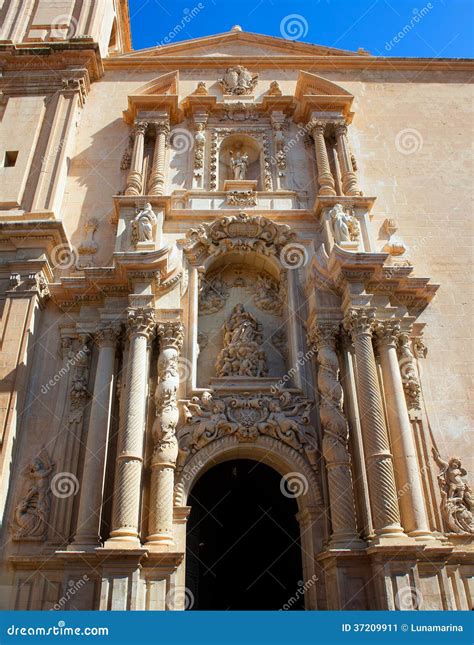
[(238, 81), (242, 233), (213, 294), (241, 198), (31, 513), (247, 416), (242, 354), (456, 495), (411, 384)]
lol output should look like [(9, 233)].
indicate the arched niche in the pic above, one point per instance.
[(257, 283), (243, 146)]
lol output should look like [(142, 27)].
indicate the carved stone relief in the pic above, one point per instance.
[(31, 513), (344, 225), (212, 295), (142, 225), (284, 417), (268, 295), (242, 354), (457, 503), (238, 81)]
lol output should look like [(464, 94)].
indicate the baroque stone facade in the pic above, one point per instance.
[(200, 272)]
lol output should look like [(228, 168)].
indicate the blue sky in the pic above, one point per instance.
[(436, 28)]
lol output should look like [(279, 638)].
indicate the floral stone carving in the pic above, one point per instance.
[(242, 233), (238, 81), (268, 296), (456, 495), (242, 354), (31, 513), (247, 416)]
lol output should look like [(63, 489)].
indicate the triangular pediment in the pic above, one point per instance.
[(238, 44)]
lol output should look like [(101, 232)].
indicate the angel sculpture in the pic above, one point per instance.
[(456, 495)]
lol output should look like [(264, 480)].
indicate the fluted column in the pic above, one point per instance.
[(349, 178), (135, 176), (325, 178), (127, 490), (335, 440), (156, 184), (410, 493), (383, 494), (165, 450), (92, 484)]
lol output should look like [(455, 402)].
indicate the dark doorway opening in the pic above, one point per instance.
[(243, 546)]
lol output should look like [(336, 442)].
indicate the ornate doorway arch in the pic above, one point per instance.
[(298, 480)]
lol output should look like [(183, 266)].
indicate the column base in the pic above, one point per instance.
[(160, 541), (341, 543), (326, 190), (84, 544), (422, 535), (119, 540)]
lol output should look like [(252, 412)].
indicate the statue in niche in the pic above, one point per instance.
[(143, 224), (345, 226), (31, 513), (242, 354), (456, 495), (239, 164), (238, 80)]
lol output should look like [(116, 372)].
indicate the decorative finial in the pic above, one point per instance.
[(236, 28)]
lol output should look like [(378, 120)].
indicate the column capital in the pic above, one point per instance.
[(316, 127), (324, 333), (140, 126), (140, 322), (107, 334), (359, 321), (386, 332), (171, 334), (162, 127), (340, 127)]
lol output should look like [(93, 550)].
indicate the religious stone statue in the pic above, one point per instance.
[(238, 80), (31, 513), (344, 225), (142, 225), (242, 354), (456, 495), (239, 164)]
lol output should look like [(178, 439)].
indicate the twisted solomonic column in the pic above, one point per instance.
[(135, 176), (92, 484), (156, 183), (383, 494), (165, 450), (325, 178), (127, 490), (410, 491), (349, 178), (335, 439)]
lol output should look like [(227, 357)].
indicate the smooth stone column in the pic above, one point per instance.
[(383, 494), (156, 185), (325, 178), (335, 440), (92, 485), (165, 452), (349, 178), (127, 490), (410, 492), (135, 176)]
